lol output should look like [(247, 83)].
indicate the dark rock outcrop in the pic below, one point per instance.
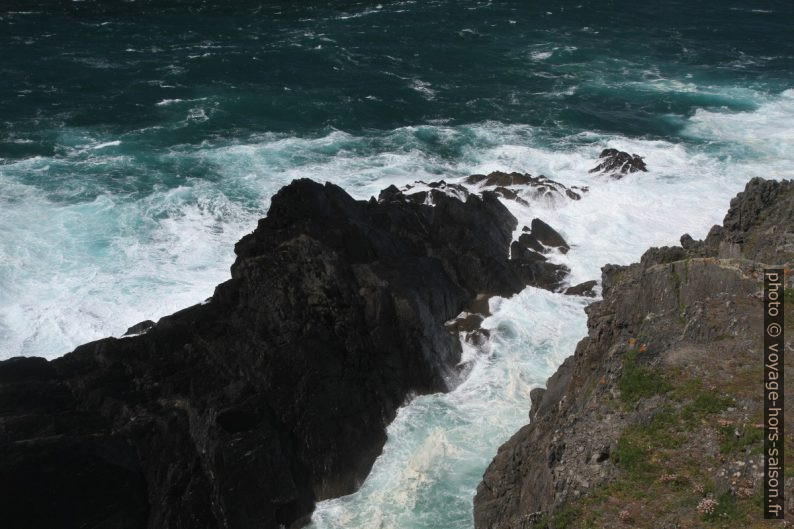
[(529, 261), (523, 187), (582, 289), (140, 328), (541, 237), (677, 330), (618, 163), (534, 269), (244, 410), (61, 465), (422, 192), (499, 178)]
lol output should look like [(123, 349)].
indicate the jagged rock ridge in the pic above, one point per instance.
[(523, 187), (243, 411)]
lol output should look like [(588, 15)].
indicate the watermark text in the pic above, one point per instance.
[(774, 282)]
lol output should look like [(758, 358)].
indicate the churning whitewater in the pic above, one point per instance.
[(122, 202), (434, 456), (91, 268)]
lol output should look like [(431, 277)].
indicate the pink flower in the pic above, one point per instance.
[(706, 506)]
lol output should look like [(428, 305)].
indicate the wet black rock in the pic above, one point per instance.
[(582, 289), (499, 178), (245, 410), (618, 163), (541, 237), (422, 192), (139, 328), (510, 194), (523, 187), (529, 261)]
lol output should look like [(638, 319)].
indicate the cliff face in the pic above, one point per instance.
[(659, 407), (244, 410)]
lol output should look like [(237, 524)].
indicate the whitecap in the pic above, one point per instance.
[(106, 144), (423, 88), (197, 115)]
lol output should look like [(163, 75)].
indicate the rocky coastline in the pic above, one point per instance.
[(273, 394), (245, 410), (655, 420)]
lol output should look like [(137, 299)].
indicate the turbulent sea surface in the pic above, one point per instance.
[(139, 141)]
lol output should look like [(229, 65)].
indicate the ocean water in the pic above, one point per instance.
[(140, 140)]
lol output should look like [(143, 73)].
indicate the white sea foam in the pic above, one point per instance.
[(617, 220), (764, 137), (197, 114), (436, 444), (541, 55), (424, 89), (686, 190), (89, 269), (92, 269)]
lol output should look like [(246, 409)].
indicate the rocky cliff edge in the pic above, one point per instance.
[(655, 421)]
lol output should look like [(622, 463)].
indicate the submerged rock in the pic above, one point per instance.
[(618, 163), (244, 410)]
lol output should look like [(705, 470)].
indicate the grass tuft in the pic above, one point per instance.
[(732, 444), (638, 382)]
